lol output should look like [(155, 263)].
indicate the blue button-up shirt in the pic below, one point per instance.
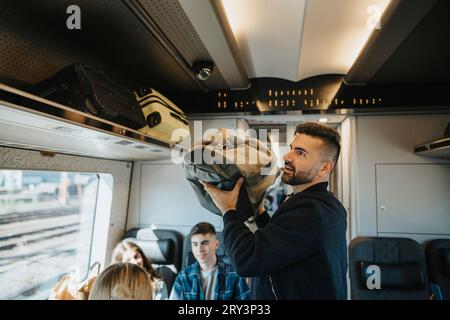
[(229, 285)]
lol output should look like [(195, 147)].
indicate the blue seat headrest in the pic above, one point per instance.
[(446, 261)]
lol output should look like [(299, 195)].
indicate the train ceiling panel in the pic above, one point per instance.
[(424, 56), (256, 46), (36, 43)]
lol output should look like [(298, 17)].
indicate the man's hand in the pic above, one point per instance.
[(224, 200), (261, 208)]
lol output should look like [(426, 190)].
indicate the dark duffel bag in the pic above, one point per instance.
[(86, 89), (234, 152)]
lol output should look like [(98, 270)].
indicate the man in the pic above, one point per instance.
[(301, 252), (209, 278)]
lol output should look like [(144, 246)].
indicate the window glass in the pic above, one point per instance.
[(46, 227)]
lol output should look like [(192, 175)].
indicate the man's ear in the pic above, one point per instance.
[(217, 244), (327, 167)]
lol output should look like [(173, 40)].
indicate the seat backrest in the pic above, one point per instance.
[(188, 257), (438, 263), (162, 247), (402, 269)]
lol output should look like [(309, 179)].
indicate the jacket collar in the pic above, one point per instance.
[(321, 186), (318, 187)]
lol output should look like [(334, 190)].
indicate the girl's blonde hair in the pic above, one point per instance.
[(122, 281), (125, 246)]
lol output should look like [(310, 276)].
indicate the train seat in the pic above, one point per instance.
[(400, 263), (162, 247), (438, 262)]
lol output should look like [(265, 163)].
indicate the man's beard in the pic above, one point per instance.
[(301, 177)]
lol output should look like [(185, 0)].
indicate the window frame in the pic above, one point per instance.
[(110, 216)]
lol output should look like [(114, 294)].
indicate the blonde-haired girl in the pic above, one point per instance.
[(122, 281)]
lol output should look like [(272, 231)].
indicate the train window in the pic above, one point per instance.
[(46, 229)]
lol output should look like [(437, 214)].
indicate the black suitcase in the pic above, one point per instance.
[(86, 89)]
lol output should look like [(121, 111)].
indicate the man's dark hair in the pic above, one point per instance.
[(328, 135), (203, 228)]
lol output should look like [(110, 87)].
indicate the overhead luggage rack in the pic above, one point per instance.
[(435, 149), (32, 122)]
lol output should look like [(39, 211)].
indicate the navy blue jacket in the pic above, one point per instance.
[(299, 253)]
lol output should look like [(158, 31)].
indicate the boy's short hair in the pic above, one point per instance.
[(203, 228)]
